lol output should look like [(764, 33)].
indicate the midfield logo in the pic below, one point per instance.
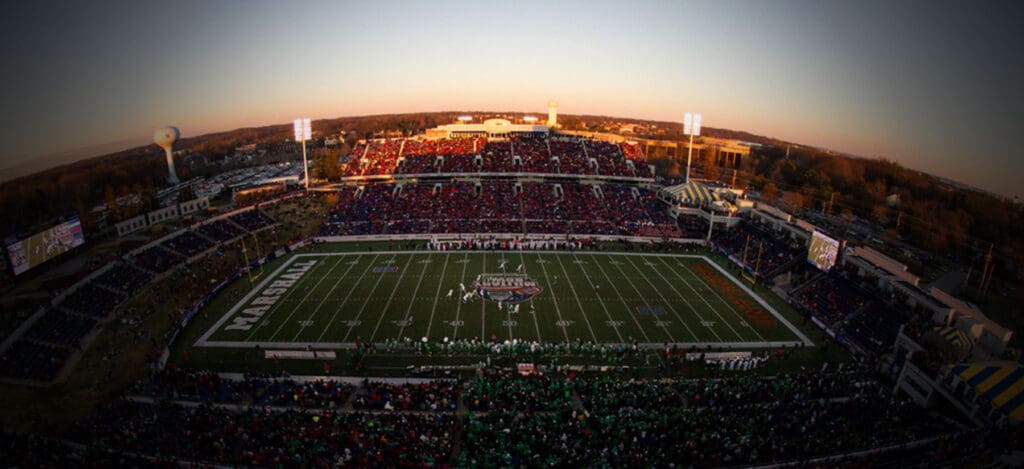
[(506, 288)]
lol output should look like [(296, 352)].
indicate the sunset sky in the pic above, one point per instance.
[(933, 85)]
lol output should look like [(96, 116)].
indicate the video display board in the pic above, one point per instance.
[(823, 251), (26, 253)]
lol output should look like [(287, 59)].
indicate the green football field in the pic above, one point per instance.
[(333, 300)]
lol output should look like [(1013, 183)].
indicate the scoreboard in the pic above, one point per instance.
[(25, 253)]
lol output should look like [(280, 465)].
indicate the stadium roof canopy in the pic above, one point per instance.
[(1001, 386), (692, 192)]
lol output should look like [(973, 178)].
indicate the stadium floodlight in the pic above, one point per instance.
[(530, 119), (303, 132), (465, 118), (691, 127)]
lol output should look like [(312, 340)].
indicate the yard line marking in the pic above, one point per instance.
[(715, 292), (483, 306), (458, 307), (369, 267), (553, 300), (578, 302), (681, 278), (437, 295), (644, 300), (384, 310), (322, 300), (277, 306), (522, 259), (368, 297), (599, 300), (412, 301), (623, 301), (668, 303)]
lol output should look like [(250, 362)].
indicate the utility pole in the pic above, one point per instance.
[(830, 201)]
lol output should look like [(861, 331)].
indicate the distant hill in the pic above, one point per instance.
[(33, 165)]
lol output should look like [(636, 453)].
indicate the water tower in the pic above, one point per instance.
[(165, 138), (552, 114)]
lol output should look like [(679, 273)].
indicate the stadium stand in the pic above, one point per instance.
[(92, 300), (433, 396), (497, 157), (552, 420), (60, 328), (252, 220), (220, 230), (157, 259), (764, 251), (254, 436), (124, 278), (499, 207), (31, 360), (187, 244)]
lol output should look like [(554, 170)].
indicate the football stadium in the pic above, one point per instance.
[(452, 296), (499, 289)]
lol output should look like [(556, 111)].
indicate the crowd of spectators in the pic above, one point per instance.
[(431, 396), (529, 154), (203, 386), (92, 300), (252, 220), (854, 309), (156, 259), (375, 157), (497, 157), (535, 155), (499, 207), (704, 423), (763, 250), (508, 420), (257, 436), (518, 394), (633, 152), (220, 230), (33, 360), (47, 343), (609, 157), (124, 278), (187, 244)]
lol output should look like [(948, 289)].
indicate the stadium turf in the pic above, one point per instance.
[(332, 300)]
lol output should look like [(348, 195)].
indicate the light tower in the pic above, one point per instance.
[(691, 126), (303, 132), (552, 114), (165, 138)]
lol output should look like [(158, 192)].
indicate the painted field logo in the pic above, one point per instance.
[(506, 288)]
